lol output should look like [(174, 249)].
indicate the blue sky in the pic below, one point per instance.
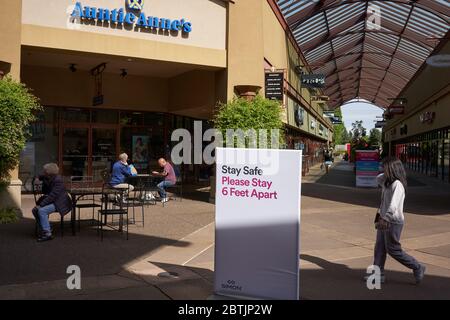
[(360, 111)]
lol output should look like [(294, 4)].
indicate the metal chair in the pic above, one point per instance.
[(88, 201), (177, 189), (112, 205), (38, 193)]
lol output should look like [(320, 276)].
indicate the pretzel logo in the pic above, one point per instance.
[(135, 4)]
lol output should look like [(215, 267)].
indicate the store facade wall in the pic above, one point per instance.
[(306, 128), (205, 44), (421, 137), (172, 78), (266, 45), (154, 80)]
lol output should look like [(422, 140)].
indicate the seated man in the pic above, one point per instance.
[(55, 199), (120, 172), (169, 178)]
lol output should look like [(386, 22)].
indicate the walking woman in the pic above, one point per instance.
[(390, 219)]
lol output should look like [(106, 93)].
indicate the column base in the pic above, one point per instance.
[(11, 197)]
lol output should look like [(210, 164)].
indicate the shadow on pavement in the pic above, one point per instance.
[(338, 281), (194, 195), (29, 261)]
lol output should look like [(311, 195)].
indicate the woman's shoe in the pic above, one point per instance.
[(419, 274)]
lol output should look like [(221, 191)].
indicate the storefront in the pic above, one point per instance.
[(86, 142), (428, 153), (421, 136), (118, 76)]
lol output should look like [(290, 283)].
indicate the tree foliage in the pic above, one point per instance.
[(17, 105), (340, 134), (258, 114), (358, 131), (375, 137)]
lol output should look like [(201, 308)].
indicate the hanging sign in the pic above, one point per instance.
[(380, 124), (274, 85), (313, 80)]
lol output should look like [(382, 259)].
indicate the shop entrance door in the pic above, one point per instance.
[(75, 151), (88, 150), (104, 147)]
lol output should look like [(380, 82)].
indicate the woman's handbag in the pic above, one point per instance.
[(377, 218)]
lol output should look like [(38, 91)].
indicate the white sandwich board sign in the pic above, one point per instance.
[(257, 243)]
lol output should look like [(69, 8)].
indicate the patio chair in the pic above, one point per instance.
[(88, 201), (177, 189), (38, 193), (112, 207)]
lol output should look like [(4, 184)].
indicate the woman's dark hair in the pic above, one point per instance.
[(394, 170)]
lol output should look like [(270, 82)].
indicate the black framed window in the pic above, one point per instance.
[(105, 116), (76, 115)]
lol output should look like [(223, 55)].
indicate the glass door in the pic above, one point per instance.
[(75, 152), (104, 146)]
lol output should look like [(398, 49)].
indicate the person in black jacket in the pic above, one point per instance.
[(55, 199)]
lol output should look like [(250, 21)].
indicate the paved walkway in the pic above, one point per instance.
[(336, 247)]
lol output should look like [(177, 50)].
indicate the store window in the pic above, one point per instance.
[(72, 115), (143, 145), (41, 147), (105, 116), (131, 118), (154, 119)]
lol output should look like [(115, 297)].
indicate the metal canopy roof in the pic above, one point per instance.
[(361, 62)]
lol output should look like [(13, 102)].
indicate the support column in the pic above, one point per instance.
[(245, 48), (10, 49)]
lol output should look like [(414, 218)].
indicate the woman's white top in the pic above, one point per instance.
[(392, 199)]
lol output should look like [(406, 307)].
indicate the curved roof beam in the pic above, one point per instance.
[(313, 44), (367, 52), (376, 64), (375, 68), (303, 15), (396, 47), (366, 101)]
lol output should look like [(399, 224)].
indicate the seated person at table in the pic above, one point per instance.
[(55, 199), (120, 172), (169, 178)]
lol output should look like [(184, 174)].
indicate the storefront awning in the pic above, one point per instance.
[(372, 62)]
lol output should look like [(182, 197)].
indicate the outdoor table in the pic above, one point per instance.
[(138, 180), (76, 194)]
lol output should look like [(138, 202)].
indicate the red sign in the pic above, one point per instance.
[(367, 155)]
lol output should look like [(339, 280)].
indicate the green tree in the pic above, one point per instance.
[(358, 131), (17, 106), (375, 137), (346, 136), (340, 132), (258, 114)]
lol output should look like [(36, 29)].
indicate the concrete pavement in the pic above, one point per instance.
[(336, 248)]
